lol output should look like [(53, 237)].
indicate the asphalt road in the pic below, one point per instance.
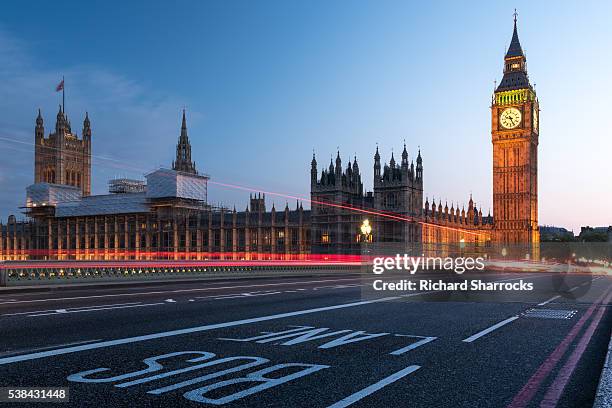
[(309, 342)]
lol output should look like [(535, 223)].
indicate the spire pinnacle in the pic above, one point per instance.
[(515, 16), (183, 151), (515, 49)]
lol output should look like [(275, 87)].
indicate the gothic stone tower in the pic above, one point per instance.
[(398, 189), (183, 152), (334, 227), (514, 131), (63, 158)]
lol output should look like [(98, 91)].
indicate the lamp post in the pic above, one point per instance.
[(366, 236), (366, 230)]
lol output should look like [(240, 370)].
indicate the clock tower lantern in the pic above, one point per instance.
[(514, 131)]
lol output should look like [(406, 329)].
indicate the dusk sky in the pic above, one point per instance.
[(265, 82)]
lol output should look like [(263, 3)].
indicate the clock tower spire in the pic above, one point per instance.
[(514, 134)]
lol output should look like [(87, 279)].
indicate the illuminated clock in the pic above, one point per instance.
[(510, 118), (535, 117)]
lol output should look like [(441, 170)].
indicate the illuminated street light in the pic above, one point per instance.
[(366, 228)]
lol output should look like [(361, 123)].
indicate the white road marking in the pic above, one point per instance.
[(424, 340), (490, 329), (178, 332), (359, 395), (70, 308), (574, 288), (244, 295), (74, 343), (181, 290), (197, 329), (338, 286), (170, 301), (549, 300), (94, 309)]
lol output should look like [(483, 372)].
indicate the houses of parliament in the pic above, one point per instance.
[(168, 216)]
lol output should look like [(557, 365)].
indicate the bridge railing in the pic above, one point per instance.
[(23, 275)]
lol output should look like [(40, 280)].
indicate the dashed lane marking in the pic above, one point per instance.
[(488, 330), (549, 300), (359, 395)]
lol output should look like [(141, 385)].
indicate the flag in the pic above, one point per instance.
[(60, 86)]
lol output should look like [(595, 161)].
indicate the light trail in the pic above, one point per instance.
[(385, 214), (390, 215)]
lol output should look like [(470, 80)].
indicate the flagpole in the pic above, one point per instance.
[(63, 95)]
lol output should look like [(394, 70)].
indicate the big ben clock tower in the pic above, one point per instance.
[(514, 131)]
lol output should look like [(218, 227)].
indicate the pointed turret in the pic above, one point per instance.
[(39, 130), (376, 165), (419, 167), (183, 151), (392, 161), (515, 66), (515, 49), (60, 122), (39, 119), (86, 127), (404, 156), (313, 171)]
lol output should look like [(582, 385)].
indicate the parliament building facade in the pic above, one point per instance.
[(168, 215)]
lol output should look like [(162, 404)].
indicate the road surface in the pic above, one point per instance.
[(308, 341)]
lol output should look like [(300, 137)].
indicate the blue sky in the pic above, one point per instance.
[(265, 82)]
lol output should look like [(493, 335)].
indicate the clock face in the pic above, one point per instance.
[(535, 118), (510, 118)]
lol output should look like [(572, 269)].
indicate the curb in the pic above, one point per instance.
[(603, 397)]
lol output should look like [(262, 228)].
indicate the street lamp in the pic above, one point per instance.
[(366, 235), (366, 230)]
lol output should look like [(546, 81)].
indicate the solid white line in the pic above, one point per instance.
[(178, 291), (549, 300), (66, 311), (359, 395), (197, 329), (490, 329), (47, 347), (70, 308)]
